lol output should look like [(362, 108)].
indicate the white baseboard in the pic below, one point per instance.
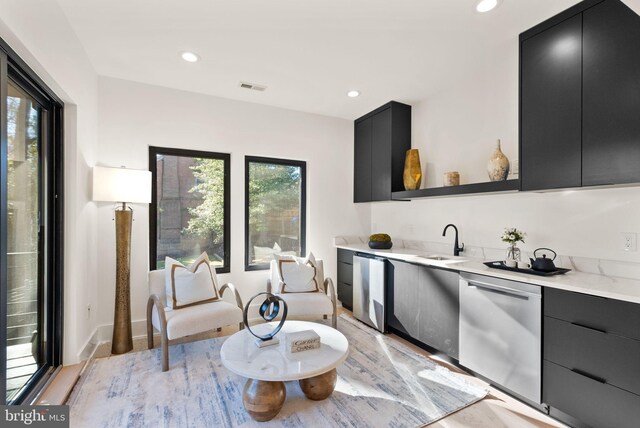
[(103, 333)]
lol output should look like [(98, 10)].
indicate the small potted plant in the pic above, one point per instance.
[(380, 241), (512, 236)]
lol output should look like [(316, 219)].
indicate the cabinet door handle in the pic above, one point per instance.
[(597, 330), (590, 376)]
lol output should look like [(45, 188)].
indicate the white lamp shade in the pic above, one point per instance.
[(121, 185)]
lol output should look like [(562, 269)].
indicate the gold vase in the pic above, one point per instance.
[(498, 166), (412, 176)]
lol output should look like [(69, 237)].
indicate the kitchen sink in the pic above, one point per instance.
[(438, 258)]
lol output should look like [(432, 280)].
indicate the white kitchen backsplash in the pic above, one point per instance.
[(612, 268)]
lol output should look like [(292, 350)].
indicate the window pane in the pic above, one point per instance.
[(190, 208), (275, 210)]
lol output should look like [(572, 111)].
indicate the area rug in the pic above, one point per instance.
[(381, 384)]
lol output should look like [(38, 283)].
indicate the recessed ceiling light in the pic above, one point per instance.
[(353, 94), (484, 6), (190, 57)]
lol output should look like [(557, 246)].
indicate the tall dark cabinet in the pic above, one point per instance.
[(580, 98), (551, 98), (611, 95), (382, 138)]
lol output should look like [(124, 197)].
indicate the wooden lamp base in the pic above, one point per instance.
[(122, 340)]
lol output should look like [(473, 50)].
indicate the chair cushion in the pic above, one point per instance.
[(190, 285), (197, 319), (297, 274), (300, 304)]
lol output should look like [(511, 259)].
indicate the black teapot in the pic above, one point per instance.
[(543, 264)]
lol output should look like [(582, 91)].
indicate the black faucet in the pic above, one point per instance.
[(456, 249)]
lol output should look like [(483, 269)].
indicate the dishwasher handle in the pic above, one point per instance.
[(501, 290)]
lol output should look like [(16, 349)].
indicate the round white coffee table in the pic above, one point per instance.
[(268, 368)]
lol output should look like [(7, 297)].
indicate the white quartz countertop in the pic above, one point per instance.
[(580, 282)]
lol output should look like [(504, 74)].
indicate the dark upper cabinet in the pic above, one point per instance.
[(362, 161), (580, 98), (381, 154), (551, 97), (611, 95), (382, 138)]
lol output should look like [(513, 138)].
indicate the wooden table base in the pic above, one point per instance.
[(319, 387), (262, 399)]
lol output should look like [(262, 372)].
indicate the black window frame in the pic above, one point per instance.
[(153, 207), (303, 205), (13, 68)]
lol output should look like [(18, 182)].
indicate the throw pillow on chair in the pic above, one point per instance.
[(190, 285), (297, 274)]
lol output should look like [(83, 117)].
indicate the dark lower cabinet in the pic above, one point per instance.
[(439, 298), (403, 313), (344, 283), (424, 304), (591, 352), (584, 349), (592, 402)]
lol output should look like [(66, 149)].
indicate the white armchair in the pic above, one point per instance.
[(176, 323), (320, 303)]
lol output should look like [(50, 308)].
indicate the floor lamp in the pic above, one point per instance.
[(123, 186)]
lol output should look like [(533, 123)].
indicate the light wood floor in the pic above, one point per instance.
[(497, 410)]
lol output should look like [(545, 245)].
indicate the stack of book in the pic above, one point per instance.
[(300, 341)]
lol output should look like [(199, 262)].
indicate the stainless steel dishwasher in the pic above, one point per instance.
[(500, 332), (369, 290)]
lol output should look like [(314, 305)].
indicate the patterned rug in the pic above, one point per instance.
[(381, 384)]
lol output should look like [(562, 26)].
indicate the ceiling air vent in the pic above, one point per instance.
[(253, 86)]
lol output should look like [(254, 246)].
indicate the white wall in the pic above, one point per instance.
[(456, 130), (37, 31), (133, 116)]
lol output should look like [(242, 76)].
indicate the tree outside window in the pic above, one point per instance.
[(275, 211), (190, 208)]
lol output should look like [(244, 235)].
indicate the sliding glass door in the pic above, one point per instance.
[(24, 258), (30, 247)]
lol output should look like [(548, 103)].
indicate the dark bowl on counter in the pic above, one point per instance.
[(380, 245)]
